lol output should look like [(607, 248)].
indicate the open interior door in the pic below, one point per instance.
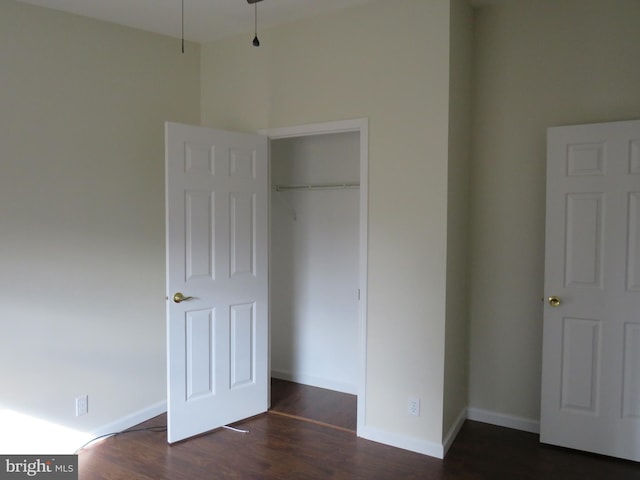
[(591, 340), (217, 278)]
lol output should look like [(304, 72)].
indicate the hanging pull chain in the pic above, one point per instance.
[(256, 42), (182, 26)]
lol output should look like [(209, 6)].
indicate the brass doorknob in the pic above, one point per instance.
[(554, 301), (179, 297)]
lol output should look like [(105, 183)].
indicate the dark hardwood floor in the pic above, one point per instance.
[(316, 404), (281, 446)]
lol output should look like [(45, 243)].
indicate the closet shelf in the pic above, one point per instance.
[(320, 186)]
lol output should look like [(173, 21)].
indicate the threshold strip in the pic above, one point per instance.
[(310, 420)]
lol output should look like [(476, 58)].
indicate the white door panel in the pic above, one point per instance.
[(591, 341), (217, 234)]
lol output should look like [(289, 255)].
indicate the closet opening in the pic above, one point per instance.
[(318, 274)]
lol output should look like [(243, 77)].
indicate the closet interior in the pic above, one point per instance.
[(314, 260)]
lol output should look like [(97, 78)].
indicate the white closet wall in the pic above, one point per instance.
[(314, 261)]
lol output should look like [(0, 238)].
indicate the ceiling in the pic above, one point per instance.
[(205, 20)]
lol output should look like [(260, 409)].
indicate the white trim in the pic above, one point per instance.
[(360, 125), (363, 127), (503, 420), (338, 126), (132, 419), (413, 444), (402, 441), (454, 430), (316, 382)]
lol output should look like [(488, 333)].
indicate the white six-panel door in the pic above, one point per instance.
[(217, 247), (591, 340)]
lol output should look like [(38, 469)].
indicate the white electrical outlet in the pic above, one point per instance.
[(82, 405), (414, 406)]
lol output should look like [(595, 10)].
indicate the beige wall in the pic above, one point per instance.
[(538, 64), (388, 61), (456, 374), (82, 106), (81, 187)]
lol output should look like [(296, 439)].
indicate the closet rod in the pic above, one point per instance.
[(322, 186)]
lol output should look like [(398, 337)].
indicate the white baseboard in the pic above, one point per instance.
[(413, 444), (374, 434), (402, 441), (503, 420), (454, 430), (132, 419), (316, 382), (436, 450)]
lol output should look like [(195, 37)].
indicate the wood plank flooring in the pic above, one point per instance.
[(315, 404), (279, 446)]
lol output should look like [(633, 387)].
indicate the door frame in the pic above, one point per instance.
[(360, 125)]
